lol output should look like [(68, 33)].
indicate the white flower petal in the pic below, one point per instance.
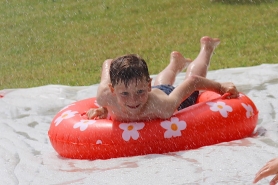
[(167, 134), (181, 125), (174, 120), (176, 133), (78, 124), (165, 124), (135, 135), (244, 105), (123, 126), (99, 142), (221, 103), (249, 110), (224, 113), (126, 135), (83, 127), (58, 121), (139, 126), (214, 109), (228, 108)]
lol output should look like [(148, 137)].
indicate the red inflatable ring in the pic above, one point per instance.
[(212, 120)]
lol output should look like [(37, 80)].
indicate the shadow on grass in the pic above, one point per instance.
[(243, 2)]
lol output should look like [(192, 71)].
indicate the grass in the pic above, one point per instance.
[(65, 41)]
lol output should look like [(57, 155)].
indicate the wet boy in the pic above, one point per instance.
[(125, 90)]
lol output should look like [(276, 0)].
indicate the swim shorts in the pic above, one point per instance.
[(191, 100)]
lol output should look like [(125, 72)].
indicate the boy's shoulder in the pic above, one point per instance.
[(104, 96), (157, 91), (157, 95)]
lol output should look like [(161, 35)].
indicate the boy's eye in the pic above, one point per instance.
[(124, 93), (140, 91)]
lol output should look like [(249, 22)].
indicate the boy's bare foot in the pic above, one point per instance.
[(179, 61), (209, 43)]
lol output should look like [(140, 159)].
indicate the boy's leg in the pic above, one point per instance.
[(200, 65), (176, 65)]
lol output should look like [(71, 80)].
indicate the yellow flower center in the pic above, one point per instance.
[(220, 106), (130, 127), (85, 122), (174, 126), (64, 115)]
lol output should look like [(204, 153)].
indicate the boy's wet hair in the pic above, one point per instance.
[(127, 68)]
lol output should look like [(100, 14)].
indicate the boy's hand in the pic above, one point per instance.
[(228, 87), (100, 113)]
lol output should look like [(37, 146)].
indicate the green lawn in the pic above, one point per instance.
[(65, 41)]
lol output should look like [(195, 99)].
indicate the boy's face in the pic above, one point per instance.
[(133, 97)]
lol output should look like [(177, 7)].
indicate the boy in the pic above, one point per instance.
[(125, 89)]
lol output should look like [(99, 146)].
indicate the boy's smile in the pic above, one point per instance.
[(133, 107)]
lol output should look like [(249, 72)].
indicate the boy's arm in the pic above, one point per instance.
[(103, 88), (102, 93), (195, 83), (200, 83)]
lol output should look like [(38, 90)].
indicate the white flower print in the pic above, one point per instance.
[(249, 110), (173, 127), (131, 130), (221, 107), (99, 142), (83, 124), (65, 115)]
